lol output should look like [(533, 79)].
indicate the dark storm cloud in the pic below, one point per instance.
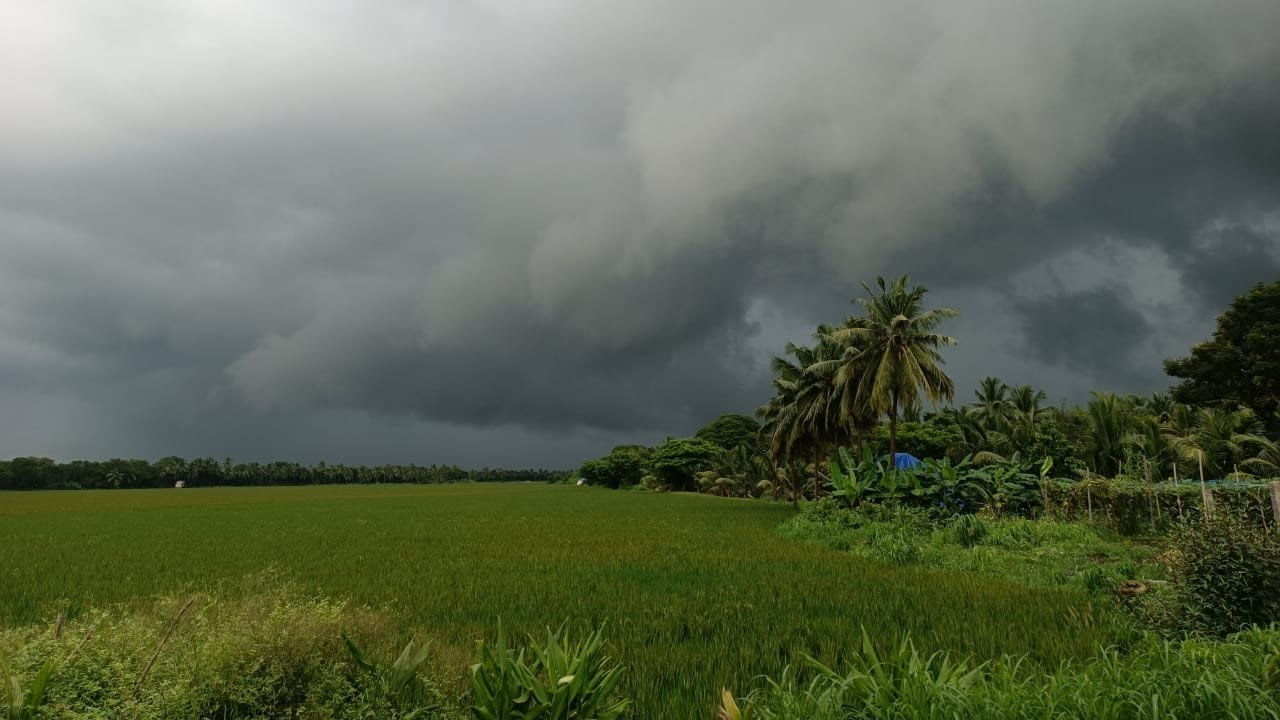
[(1093, 332), (504, 232)]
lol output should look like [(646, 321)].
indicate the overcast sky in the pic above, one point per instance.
[(517, 232)]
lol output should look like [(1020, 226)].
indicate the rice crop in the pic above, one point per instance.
[(695, 592)]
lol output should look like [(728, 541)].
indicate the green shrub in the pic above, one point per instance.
[(558, 681), (1226, 576)]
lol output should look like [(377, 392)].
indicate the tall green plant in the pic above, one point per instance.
[(400, 682), (23, 704), (557, 680)]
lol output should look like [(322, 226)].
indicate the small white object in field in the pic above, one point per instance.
[(582, 481), (180, 484)]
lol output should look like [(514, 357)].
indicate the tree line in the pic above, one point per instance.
[(37, 473), (865, 383)]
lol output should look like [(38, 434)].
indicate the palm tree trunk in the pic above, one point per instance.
[(797, 482), (893, 431), (773, 476), (817, 455)]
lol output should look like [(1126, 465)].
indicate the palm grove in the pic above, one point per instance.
[(861, 389)]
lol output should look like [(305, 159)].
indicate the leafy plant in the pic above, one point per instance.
[(558, 680), (852, 478), (400, 682), (20, 704), (1158, 679), (1226, 576)]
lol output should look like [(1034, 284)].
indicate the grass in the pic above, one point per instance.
[(697, 593), (1038, 553), (1192, 678), (273, 655)]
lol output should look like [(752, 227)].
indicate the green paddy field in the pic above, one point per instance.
[(696, 592)]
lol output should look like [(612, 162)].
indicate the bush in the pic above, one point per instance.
[(1226, 576)]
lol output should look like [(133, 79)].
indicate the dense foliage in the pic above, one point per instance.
[(1240, 364), (677, 460), (1226, 576), (35, 473), (1135, 507), (731, 431), (624, 465), (946, 488), (862, 385)]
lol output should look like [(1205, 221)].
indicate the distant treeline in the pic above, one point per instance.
[(35, 473)]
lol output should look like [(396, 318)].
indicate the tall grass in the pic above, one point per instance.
[(275, 654), (698, 593), (1159, 679)]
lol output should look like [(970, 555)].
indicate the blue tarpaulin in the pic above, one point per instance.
[(905, 461)]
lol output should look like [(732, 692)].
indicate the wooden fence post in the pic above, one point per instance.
[(1205, 494), (1275, 503)]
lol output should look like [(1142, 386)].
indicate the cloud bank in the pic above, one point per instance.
[(519, 232)]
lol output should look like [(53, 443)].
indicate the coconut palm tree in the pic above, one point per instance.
[(898, 356), (1266, 461), (973, 436), (1158, 448), (1219, 439), (801, 418), (1161, 406), (993, 403), (1024, 404), (1109, 424), (841, 362)]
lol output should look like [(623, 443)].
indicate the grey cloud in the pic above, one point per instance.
[(1093, 332), (311, 229)]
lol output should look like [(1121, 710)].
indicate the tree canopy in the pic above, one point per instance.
[(1240, 364), (731, 431)]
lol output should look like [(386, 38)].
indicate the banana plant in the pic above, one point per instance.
[(851, 480)]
